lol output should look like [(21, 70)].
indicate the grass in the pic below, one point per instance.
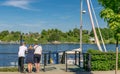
[(9, 69)]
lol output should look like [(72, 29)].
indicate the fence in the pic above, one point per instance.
[(67, 59), (48, 58)]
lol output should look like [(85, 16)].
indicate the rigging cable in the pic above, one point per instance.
[(98, 26), (92, 22)]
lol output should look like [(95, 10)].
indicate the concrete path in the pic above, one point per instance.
[(62, 72)]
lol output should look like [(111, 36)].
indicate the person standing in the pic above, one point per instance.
[(37, 56), (30, 58), (21, 56)]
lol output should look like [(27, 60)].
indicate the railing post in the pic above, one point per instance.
[(79, 59), (49, 56), (57, 58), (75, 57), (66, 61), (45, 61), (63, 58), (89, 62)]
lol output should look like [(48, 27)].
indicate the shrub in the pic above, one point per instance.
[(93, 51), (101, 61)]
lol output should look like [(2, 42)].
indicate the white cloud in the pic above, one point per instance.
[(23, 4)]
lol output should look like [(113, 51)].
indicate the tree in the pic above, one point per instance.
[(111, 14), (54, 37), (3, 34)]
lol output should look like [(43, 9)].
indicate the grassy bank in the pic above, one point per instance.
[(8, 69)]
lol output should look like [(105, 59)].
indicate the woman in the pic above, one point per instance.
[(30, 58), (37, 56)]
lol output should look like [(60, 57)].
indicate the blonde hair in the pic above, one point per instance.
[(30, 47)]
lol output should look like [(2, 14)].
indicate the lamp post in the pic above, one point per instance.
[(81, 12)]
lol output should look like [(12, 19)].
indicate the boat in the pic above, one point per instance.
[(71, 51)]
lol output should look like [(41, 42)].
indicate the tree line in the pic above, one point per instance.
[(51, 35)]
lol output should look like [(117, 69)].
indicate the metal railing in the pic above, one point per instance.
[(48, 58), (62, 59)]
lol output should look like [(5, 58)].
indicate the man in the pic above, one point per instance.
[(37, 56), (21, 56)]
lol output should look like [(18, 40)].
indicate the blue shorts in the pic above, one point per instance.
[(37, 58)]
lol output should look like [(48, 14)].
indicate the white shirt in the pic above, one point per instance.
[(21, 52), (38, 49)]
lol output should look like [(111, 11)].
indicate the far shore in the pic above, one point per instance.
[(9, 42), (54, 42)]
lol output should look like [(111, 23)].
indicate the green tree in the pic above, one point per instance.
[(111, 14), (107, 34), (3, 34), (54, 37)]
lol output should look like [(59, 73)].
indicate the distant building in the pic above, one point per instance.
[(56, 42), (92, 39)]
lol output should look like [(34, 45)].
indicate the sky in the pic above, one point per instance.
[(36, 15)]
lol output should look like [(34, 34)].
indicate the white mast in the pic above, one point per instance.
[(98, 27), (93, 27)]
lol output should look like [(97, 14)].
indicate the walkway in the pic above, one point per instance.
[(60, 69), (62, 72)]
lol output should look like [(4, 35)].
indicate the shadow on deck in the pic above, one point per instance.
[(62, 68)]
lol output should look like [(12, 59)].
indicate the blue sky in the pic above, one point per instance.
[(36, 15)]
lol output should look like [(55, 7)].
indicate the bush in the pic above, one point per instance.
[(101, 61), (93, 51)]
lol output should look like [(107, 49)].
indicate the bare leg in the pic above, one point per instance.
[(31, 67), (28, 67), (37, 66)]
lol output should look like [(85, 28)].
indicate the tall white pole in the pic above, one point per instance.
[(81, 4), (98, 27), (92, 22)]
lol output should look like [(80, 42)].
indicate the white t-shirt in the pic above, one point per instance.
[(21, 52), (38, 49)]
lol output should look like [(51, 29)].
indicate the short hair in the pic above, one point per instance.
[(23, 43), (30, 47)]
